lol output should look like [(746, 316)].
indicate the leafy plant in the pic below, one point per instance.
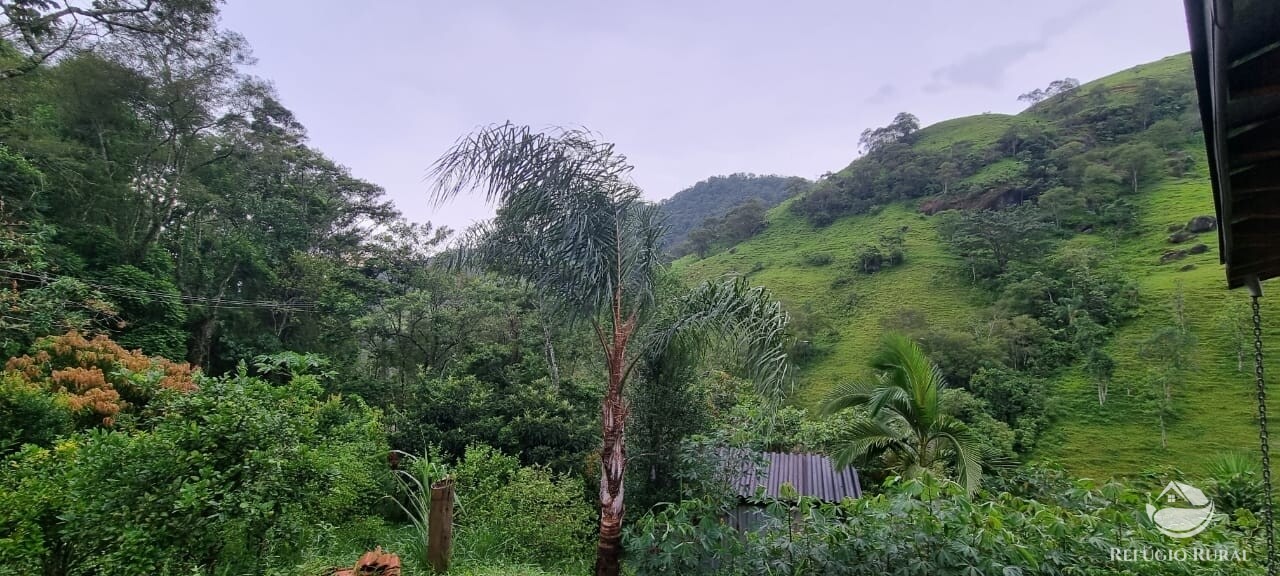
[(906, 419), (1236, 482), (236, 475), (922, 525)]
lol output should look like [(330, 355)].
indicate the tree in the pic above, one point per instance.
[(1063, 205), (714, 197), (907, 419), (992, 239), (40, 30), (1169, 350), (698, 242), (1055, 88), (948, 174), (1138, 161), (1235, 318), (1167, 134), (744, 221), (571, 224), (1101, 367), (903, 125)]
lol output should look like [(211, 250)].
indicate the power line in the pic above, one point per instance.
[(181, 298)]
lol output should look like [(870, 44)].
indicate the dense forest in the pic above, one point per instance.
[(226, 355), (696, 215)]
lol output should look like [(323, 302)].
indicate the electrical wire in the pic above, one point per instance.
[(228, 303)]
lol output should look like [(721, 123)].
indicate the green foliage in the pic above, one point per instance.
[(713, 198), (923, 525), (36, 305), (30, 415), (1015, 398), (739, 223), (907, 421), (816, 259), (902, 127), (1236, 482), (234, 476), (519, 514), (539, 422), (20, 182), (992, 240)]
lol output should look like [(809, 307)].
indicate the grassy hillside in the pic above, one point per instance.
[(1214, 407), (775, 259)]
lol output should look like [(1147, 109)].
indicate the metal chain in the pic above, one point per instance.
[(1268, 518)]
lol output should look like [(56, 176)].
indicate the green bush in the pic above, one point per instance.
[(1236, 482), (29, 415), (817, 259), (544, 516), (926, 527), (231, 478), (519, 513)]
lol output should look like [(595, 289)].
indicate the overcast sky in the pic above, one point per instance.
[(686, 89)]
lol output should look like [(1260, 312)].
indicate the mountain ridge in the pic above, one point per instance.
[(1211, 408)]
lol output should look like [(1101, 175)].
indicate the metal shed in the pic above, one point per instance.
[(765, 473)]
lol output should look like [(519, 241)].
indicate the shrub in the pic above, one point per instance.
[(926, 527), (97, 378), (1236, 482), (29, 415), (544, 517), (511, 513), (868, 259), (817, 259), (232, 476), (1014, 398)]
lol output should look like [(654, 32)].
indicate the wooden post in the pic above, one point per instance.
[(440, 525)]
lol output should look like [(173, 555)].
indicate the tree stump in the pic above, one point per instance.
[(440, 526), (375, 563)]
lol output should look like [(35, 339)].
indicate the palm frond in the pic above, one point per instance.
[(865, 439), (907, 367), (568, 221), (965, 451), (746, 317), (848, 395)]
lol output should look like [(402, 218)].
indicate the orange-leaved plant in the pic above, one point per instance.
[(99, 378)]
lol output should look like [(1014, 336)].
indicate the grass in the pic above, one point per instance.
[(405, 541), (856, 310), (1000, 172), (982, 130), (1169, 67), (1214, 407)]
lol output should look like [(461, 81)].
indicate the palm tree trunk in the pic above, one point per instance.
[(613, 452), (613, 460)]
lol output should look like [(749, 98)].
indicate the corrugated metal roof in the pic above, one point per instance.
[(810, 475)]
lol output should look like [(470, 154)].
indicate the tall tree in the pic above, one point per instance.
[(41, 30), (571, 224), (1139, 161)]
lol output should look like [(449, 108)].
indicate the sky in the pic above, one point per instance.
[(686, 90)]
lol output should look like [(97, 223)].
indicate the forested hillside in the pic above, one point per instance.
[(224, 354), (1055, 263), (700, 208)]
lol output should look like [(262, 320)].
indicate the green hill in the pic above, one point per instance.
[(1212, 407), (714, 197)]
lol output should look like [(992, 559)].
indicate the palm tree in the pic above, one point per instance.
[(574, 227), (906, 420)]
